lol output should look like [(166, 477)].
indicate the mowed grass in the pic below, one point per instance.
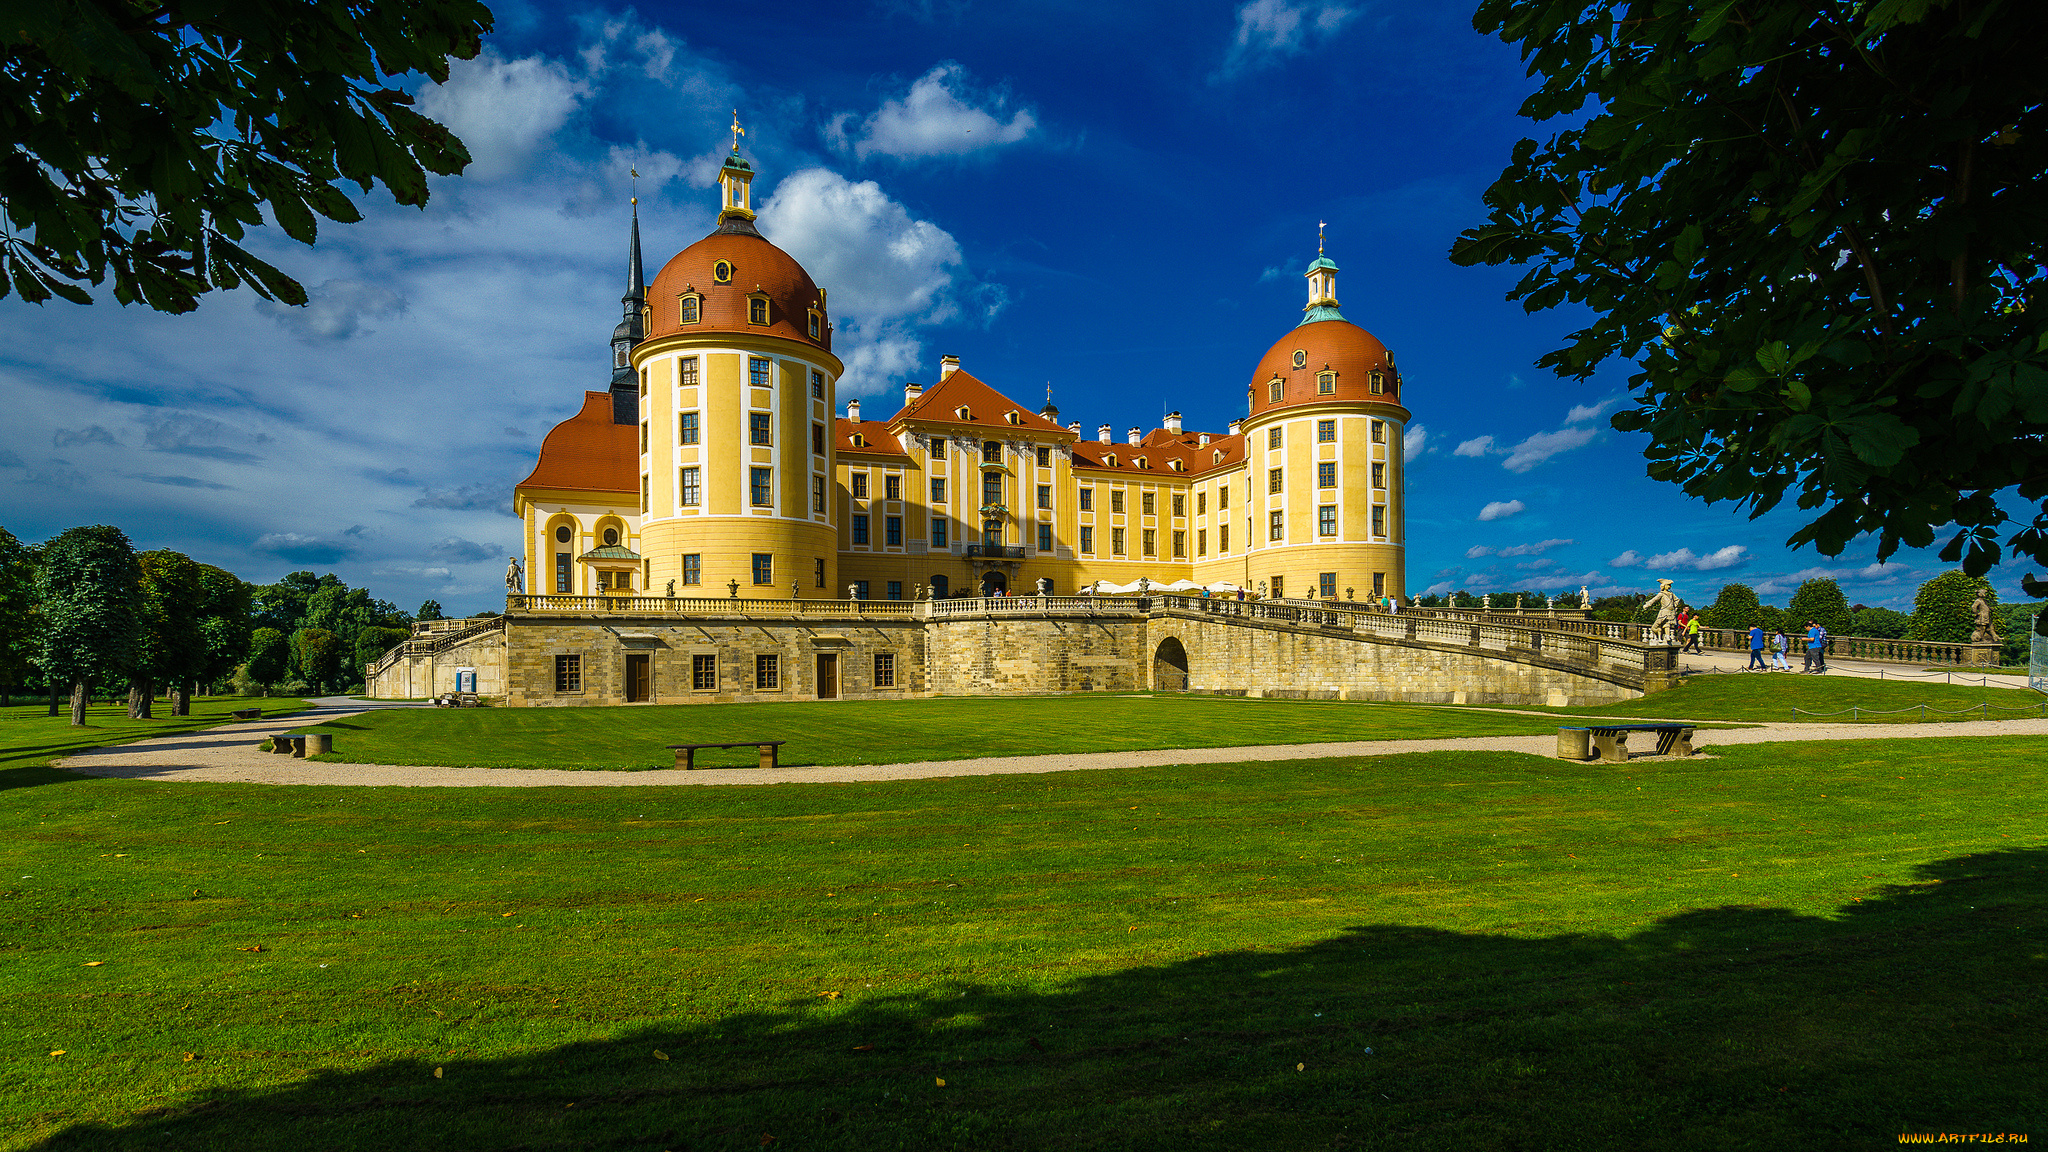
[(1773, 698), (884, 731), (29, 735), (1787, 945)]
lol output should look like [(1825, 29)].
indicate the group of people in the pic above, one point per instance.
[(1779, 644)]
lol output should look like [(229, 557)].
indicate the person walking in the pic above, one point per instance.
[(1756, 649), (1814, 637), (1779, 643), (1692, 635)]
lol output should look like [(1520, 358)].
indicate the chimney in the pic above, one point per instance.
[(948, 364), (1134, 435), (1173, 423), (1205, 440), (1233, 427), (1075, 427), (853, 411), (911, 391), (1102, 433)]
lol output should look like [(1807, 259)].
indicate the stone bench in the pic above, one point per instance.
[(302, 744), (247, 713), (1608, 743), (686, 754)]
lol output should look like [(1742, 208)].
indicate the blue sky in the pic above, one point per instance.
[(1116, 200)]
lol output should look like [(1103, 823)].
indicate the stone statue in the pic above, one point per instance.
[(671, 589), (514, 578), (1418, 600), (1981, 630), (1144, 585), (1667, 611), (1585, 597), (1518, 601), (1486, 602), (853, 591), (924, 592)]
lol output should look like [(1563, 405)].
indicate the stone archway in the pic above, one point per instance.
[(994, 583), (1170, 666)]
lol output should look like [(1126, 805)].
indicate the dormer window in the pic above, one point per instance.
[(722, 271), (1274, 389), (757, 308), (690, 308), (817, 325), (1178, 466), (1216, 457), (963, 413), (1379, 382), (1326, 383), (1139, 463), (859, 441), (1013, 417), (1109, 459)]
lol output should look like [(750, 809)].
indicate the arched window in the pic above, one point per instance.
[(940, 588)]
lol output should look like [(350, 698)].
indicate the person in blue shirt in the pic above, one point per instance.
[(1816, 648), (1756, 649)]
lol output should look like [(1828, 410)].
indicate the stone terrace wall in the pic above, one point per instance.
[(603, 645), (1021, 655)]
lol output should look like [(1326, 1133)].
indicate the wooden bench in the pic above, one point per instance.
[(686, 754), (1608, 743), (302, 744), (247, 713)]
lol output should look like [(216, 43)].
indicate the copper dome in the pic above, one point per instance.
[(756, 268), (1299, 358)]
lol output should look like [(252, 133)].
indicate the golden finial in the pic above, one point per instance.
[(1319, 237), (737, 131), (635, 173)]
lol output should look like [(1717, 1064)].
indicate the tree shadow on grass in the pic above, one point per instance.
[(1917, 1010)]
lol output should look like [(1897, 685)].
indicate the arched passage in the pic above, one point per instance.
[(993, 584), (1170, 667)]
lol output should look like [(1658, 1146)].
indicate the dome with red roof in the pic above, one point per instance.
[(1325, 357)]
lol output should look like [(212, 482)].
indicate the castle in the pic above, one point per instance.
[(717, 463)]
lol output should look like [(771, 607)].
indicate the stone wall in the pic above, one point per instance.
[(1013, 655)]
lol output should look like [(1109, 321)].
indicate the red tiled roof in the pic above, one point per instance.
[(756, 264), (986, 407), (588, 452), (878, 440)]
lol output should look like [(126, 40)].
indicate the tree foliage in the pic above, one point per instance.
[(1735, 607), (1943, 607), (1822, 602), (143, 140), (89, 586), (1882, 623), (224, 620), (18, 613), (431, 610), (269, 656), (1817, 230), (317, 657), (173, 647)]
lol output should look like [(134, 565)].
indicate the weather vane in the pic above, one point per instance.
[(635, 173), (1319, 237), (737, 131)]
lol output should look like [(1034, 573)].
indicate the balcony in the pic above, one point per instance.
[(995, 551)]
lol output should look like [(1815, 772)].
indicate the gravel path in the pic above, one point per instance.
[(229, 755)]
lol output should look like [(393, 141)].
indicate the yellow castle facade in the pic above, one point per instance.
[(719, 462)]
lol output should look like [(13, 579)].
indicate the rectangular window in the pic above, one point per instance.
[(818, 571), (1223, 538), (693, 568), (1180, 545), (1202, 502), (1326, 431), (817, 493), (764, 567), (1326, 474), (859, 481), (757, 428), (767, 671), (568, 673), (757, 311), (687, 428), (1201, 541), (992, 452), (860, 529), (1379, 475), (860, 589), (885, 669), (1274, 390), (895, 589), (817, 439), (1116, 500), (992, 488), (693, 492), (562, 573), (1379, 432), (1180, 505), (1148, 503), (1273, 437), (689, 367), (1276, 526), (643, 437), (1116, 541), (1087, 499), (1379, 585), (938, 533), (704, 673), (815, 326), (1379, 520), (1379, 383), (646, 481), (1326, 520), (1222, 499), (1151, 542), (817, 384), (939, 449), (1087, 539), (1045, 537), (1273, 480), (761, 486), (892, 487), (1045, 457), (1326, 585), (757, 371), (892, 535), (939, 491), (1279, 582), (1326, 383), (1045, 495)]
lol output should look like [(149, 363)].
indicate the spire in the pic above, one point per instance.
[(736, 187), (632, 329), (1322, 285), (636, 283)]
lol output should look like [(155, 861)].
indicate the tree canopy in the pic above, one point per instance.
[(142, 140), (1816, 229), (89, 587)]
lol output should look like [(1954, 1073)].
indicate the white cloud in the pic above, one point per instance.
[(1477, 446), (939, 116), (1684, 560), (1268, 30), (503, 109), (1273, 272), (1628, 559), (1501, 510), (1536, 548), (1581, 413), (1544, 445), (336, 310), (1476, 551), (1414, 442)]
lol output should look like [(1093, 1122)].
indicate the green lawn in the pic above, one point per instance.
[(884, 731), (1788, 945), (29, 735), (1771, 698)]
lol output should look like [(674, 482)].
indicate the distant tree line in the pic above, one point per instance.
[(84, 614)]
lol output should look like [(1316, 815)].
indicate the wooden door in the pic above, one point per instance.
[(828, 677), (638, 675)]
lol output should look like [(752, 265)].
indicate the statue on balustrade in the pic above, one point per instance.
[(515, 580), (1981, 629), (1585, 598), (1667, 612)]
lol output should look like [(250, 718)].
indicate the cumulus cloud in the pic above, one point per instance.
[(93, 434), (1544, 445), (1477, 446), (939, 116), (1414, 441), (1628, 559), (504, 110), (1682, 560), (302, 549), (1270, 30), (1502, 509), (1581, 413), (335, 310), (1537, 548)]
